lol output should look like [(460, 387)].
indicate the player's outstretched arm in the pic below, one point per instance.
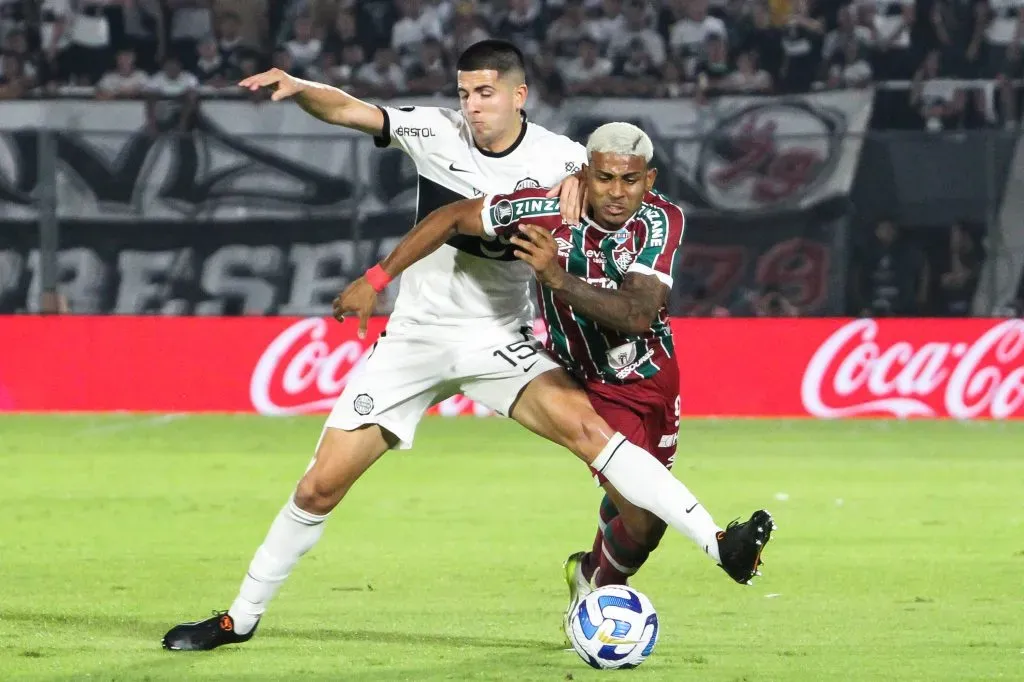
[(325, 102), (631, 309), (360, 297)]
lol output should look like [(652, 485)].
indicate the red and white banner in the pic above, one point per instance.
[(964, 368)]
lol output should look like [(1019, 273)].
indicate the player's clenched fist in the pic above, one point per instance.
[(536, 246), (282, 84), (358, 298)]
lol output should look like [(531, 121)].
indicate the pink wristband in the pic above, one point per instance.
[(377, 278)]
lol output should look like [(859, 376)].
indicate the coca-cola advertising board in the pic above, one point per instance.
[(829, 368)]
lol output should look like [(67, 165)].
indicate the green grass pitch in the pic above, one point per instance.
[(899, 555)]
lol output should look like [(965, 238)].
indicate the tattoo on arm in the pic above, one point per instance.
[(631, 309)]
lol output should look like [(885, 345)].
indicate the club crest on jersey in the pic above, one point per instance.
[(363, 404), (501, 214), (527, 183), (623, 257)]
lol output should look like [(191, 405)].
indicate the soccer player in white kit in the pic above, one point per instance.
[(461, 324)]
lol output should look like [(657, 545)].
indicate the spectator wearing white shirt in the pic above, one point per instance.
[(190, 21), (383, 74), (748, 77), (125, 81), (892, 23), (55, 37), (416, 24), (210, 68), (587, 73), (565, 33), (467, 29), (1003, 40), (849, 68), (847, 30), (939, 100), (304, 47), (637, 28), (611, 21), (689, 35), (430, 75), (636, 76), (173, 99), (90, 41)]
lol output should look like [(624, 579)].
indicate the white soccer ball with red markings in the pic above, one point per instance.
[(613, 627)]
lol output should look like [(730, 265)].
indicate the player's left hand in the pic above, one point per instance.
[(572, 196), (536, 246), (359, 298)]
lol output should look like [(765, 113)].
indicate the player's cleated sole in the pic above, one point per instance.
[(204, 635), (740, 546)]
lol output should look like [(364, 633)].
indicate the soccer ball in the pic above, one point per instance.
[(613, 627)]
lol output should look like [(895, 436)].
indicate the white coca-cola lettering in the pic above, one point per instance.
[(983, 378), (310, 362)]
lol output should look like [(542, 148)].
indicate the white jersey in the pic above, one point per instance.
[(469, 281)]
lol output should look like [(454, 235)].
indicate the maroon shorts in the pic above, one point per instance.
[(646, 412)]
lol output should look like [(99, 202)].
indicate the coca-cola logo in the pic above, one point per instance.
[(300, 372), (854, 373)]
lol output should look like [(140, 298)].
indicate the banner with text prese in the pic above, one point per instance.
[(828, 368), (260, 206)]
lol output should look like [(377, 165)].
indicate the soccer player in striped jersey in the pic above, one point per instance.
[(604, 285)]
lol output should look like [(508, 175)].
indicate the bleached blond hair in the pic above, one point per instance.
[(620, 138)]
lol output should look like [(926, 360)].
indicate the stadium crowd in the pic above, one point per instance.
[(652, 48)]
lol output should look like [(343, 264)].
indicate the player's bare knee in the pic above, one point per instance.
[(317, 494)]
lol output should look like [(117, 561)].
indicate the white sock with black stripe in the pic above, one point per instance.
[(642, 480)]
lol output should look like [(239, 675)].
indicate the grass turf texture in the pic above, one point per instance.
[(900, 554)]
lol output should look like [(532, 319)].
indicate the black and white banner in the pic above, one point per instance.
[(261, 209)]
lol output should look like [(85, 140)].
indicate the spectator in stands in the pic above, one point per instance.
[(416, 24), (383, 75), (672, 82), (15, 43), (637, 28), (890, 276), (210, 67), (1005, 36), (607, 24), (90, 41), (588, 73), (846, 31), (345, 75), (431, 73), (282, 59), (173, 99), (849, 68), (229, 38), (748, 77), (125, 81), (756, 33), (55, 38), (713, 68), (145, 29), (689, 36), (801, 49), (939, 101), (523, 25), (252, 19), (467, 29), (637, 76), (304, 47), (565, 33), (960, 279), (546, 100), (891, 22), (190, 21), (14, 83)]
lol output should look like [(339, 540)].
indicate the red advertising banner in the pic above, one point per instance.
[(963, 369)]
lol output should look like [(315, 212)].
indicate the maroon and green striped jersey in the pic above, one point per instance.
[(645, 244)]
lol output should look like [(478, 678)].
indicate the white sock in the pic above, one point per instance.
[(292, 534), (645, 482)]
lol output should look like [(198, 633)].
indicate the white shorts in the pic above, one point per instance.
[(406, 373)]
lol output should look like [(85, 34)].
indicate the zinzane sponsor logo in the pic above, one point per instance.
[(854, 373)]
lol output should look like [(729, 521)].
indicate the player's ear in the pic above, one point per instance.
[(519, 96), (652, 173)]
